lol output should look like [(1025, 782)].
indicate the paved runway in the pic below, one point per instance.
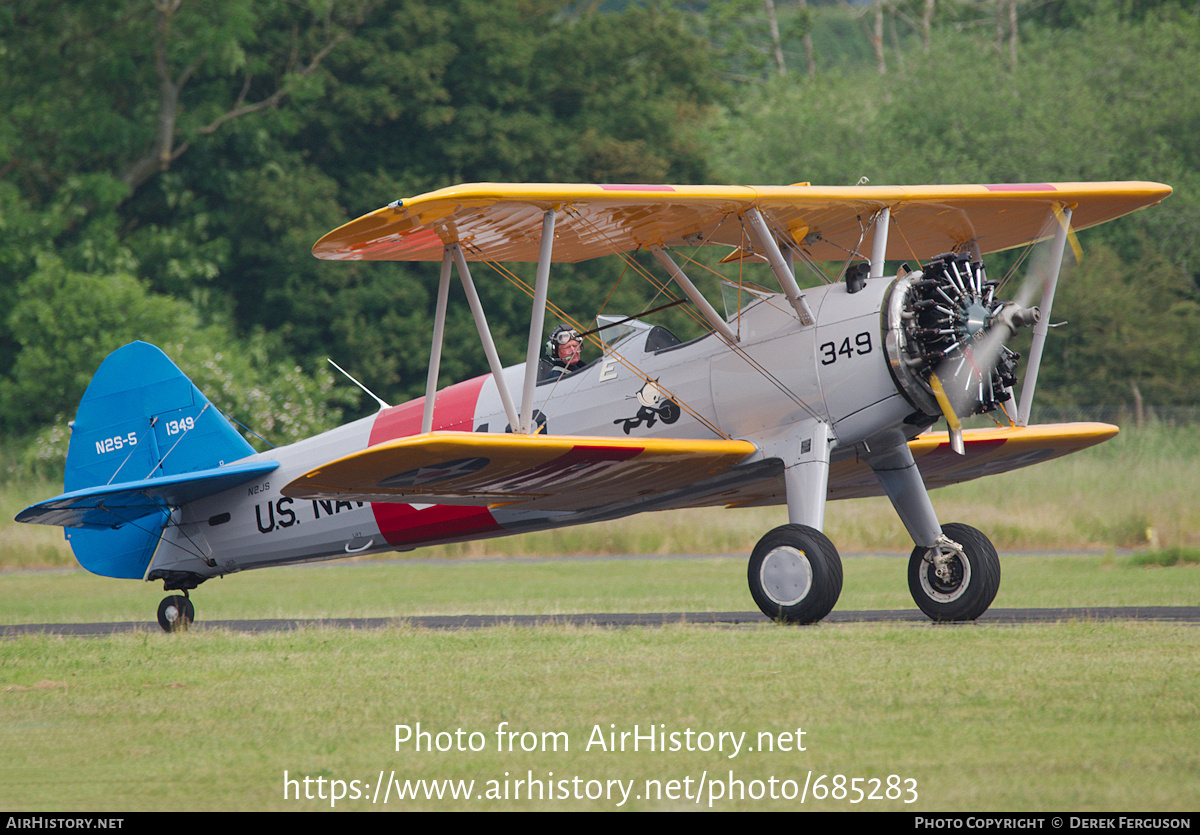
[(1178, 614)]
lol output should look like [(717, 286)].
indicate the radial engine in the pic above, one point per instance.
[(939, 320)]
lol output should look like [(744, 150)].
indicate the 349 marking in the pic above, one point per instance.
[(830, 351)]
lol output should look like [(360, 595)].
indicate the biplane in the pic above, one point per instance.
[(793, 396)]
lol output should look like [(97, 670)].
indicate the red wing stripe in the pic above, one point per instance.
[(1021, 187), (634, 187), (581, 457)]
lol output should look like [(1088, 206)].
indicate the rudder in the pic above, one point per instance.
[(140, 418)]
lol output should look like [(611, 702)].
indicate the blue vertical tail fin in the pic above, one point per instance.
[(141, 417), (144, 440)]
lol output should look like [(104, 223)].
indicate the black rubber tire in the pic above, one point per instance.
[(971, 588), (176, 613), (795, 574)]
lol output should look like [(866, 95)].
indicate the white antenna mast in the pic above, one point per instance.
[(382, 404)]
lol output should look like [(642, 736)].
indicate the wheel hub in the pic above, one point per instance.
[(947, 576), (948, 571), (786, 575)]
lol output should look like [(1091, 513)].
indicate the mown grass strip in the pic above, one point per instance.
[(1080, 716)]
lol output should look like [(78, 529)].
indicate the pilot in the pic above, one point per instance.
[(564, 348)]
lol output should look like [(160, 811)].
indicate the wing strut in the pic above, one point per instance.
[(485, 335), (1043, 326), (435, 351), (879, 242), (537, 319), (710, 315), (765, 240)]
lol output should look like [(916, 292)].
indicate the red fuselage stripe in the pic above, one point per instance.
[(403, 524)]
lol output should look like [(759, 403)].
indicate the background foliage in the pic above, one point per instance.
[(165, 167)]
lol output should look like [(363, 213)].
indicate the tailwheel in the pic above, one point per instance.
[(958, 578), (795, 574), (176, 613)]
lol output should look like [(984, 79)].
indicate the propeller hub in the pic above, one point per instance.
[(1012, 316)]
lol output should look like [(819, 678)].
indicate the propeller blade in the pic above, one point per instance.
[(949, 412), (965, 378), (1041, 268), (951, 329)]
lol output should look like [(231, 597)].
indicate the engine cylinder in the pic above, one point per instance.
[(933, 319)]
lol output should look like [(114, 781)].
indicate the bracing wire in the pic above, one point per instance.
[(663, 290), (517, 281)]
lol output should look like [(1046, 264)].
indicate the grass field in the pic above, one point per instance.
[(1070, 717), (1074, 716)]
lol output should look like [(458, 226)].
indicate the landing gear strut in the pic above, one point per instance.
[(958, 578), (176, 613), (795, 574)]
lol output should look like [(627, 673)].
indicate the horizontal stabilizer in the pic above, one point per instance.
[(112, 505), (540, 471)]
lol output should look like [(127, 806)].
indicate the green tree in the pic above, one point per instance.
[(194, 151), (1130, 326), (470, 91), (66, 322), (1088, 102), (127, 88), (102, 100)]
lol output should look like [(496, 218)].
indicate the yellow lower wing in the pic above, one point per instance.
[(576, 473), (987, 452), (539, 471)]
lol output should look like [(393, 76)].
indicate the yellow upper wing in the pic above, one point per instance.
[(503, 222)]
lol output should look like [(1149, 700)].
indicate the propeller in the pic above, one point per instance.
[(977, 368), (966, 379)]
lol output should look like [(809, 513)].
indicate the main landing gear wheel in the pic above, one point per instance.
[(962, 583), (795, 574), (175, 613)]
